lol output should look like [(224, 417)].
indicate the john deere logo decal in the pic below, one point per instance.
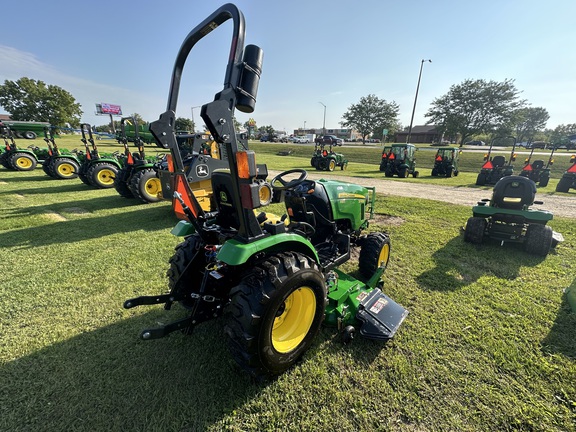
[(223, 197), (202, 170)]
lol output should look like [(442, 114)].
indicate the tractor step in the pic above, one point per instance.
[(380, 315)]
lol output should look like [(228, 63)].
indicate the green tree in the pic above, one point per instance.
[(369, 114), (30, 100), (184, 124), (559, 136), (474, 107), (527, 122)]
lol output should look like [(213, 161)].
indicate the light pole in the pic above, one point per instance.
[(304, 126), (415, 99), (324, 122), (192, 110)]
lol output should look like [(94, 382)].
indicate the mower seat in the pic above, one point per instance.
[(537, 164), (514, 192), (498, 161)]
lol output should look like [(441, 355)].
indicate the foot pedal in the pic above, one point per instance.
[(379, 314)]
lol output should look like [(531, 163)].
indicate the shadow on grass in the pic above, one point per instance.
[(90, 227), (562, 336), (53, 187), (459, 264), (24, 178), (87, 205), (108, 379)]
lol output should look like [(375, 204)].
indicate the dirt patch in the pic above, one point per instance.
[(384, 219), (76, 210), (54, 216)]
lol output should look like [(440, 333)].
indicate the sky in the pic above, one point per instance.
[(316, 53)]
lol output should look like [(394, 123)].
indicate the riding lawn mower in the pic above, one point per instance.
[(274, 280)]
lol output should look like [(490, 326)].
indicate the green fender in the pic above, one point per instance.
[(236, 253)]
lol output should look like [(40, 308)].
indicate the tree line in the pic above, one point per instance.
[(469, 109)]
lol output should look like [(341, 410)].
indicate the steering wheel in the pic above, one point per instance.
[(290, 183)]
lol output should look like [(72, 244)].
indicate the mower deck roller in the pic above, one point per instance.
[(274, 280)]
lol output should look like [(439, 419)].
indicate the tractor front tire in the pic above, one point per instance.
[(64, 168), (102, 175), (475, 228), (331, 165), (275, 313), (538, 239), (145, 185), (375, 252), (23, 162)]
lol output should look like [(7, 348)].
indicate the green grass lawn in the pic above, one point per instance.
[(489, 344)]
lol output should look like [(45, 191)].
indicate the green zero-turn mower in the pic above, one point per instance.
[(138, 178), (536, 171), (14, 158), (274, 280), (568, 179), (507, 217), (60, 164), (494, 168), (98, 170)]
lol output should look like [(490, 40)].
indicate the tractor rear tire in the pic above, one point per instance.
[(434, 172), (275, 313), (47, 168), (64, 168), (102, 175), (122, 186), (449, 172), (564, 184), (481, 179), (5, 160), (388, 173), (145, 185), (375, 251), (29, 135), (538, 239), (403, 172), (23, 162), (186, 267), (322, 164), (475, 228), (544, 181)]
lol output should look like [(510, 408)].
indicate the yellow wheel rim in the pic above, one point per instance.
[(294, 319), (332, 164), (106, 177), (153, 187), (23, 162), (384, 255), (66, 170)]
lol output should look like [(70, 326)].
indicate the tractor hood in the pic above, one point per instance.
[(348, 200)]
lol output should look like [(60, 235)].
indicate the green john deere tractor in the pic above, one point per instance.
[(568, 180), (325, 158), (98, 170), (508, 217), (14, 158), (274, 280), (494, 168), (401, 161), (446, 162), (138, 178), (60, 164)]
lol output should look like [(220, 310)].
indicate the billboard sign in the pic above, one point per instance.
[(106, 108)]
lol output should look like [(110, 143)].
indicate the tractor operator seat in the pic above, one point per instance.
[(514, 192), (498, 161), (308, 202), (538, 164)]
